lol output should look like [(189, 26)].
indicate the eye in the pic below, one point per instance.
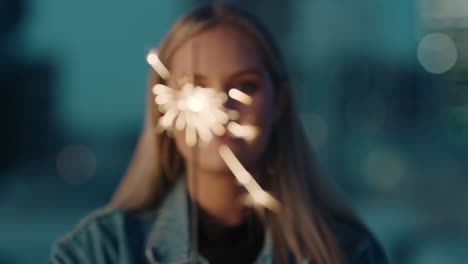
[(199, 82), (248, 87)]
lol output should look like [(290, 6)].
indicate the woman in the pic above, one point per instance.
[(149, 219)]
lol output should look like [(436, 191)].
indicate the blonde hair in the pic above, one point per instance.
[(303, 227)]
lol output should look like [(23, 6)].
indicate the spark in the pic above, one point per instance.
[(194, 104), (258, 195), (240, 96), (153, 59), (196, 109), (247, 132), (263, 198)]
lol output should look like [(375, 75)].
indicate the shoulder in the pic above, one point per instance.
[(359, 244), (104, 218), (96, 238)]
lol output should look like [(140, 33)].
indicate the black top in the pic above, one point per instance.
[(219, 243)]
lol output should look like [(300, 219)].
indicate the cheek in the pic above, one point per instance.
[(259, 114)]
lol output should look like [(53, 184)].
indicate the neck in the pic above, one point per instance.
[(218, 194)]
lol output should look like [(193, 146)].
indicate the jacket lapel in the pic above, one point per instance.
[(169, 239)]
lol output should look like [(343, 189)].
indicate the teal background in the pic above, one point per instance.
[(391, 136)]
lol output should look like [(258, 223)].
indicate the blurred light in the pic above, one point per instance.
[(241, 174), (153, 59), (190, 136), (194, 104), (240, 96), (316, 129), (260, 197), (76, 164), (181, 121), (384, 170), (218, 129), (247, 132), (437, 53), (166, 120), (197, 109), (161, 89)]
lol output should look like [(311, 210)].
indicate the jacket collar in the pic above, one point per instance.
[(169, 239)]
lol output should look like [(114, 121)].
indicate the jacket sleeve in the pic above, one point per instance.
[(68, 253), (359, 244), (368, 251), (94, 241)]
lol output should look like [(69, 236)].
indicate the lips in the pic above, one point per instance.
[(226, 138)]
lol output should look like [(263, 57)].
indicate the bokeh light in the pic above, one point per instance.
[(384, 170), (76, 164), (437, 53), (316, 128)]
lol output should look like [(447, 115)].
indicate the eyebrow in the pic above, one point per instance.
[(198, 76), (244, 72)]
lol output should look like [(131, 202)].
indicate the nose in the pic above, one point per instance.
[(230, 103)]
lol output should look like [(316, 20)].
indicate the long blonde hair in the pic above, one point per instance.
[(303, 227)]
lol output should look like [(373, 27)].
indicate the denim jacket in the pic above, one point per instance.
[(162, 237)]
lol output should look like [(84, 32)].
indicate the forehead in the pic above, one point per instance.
[(219, 51)]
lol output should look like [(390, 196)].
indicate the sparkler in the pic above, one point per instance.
[(200, 111), (246, 132), (153, 59), (196, 109), (247, 180), (240, 96)]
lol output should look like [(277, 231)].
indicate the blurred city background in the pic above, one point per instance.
[(382, 88)]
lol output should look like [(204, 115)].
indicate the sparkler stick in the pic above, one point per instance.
[(195, 104), (247, 132), (157, 65), (240, 96), (199, 110), (194, 206), (245, 178)]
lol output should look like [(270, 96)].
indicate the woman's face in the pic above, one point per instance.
[(226, 58)]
